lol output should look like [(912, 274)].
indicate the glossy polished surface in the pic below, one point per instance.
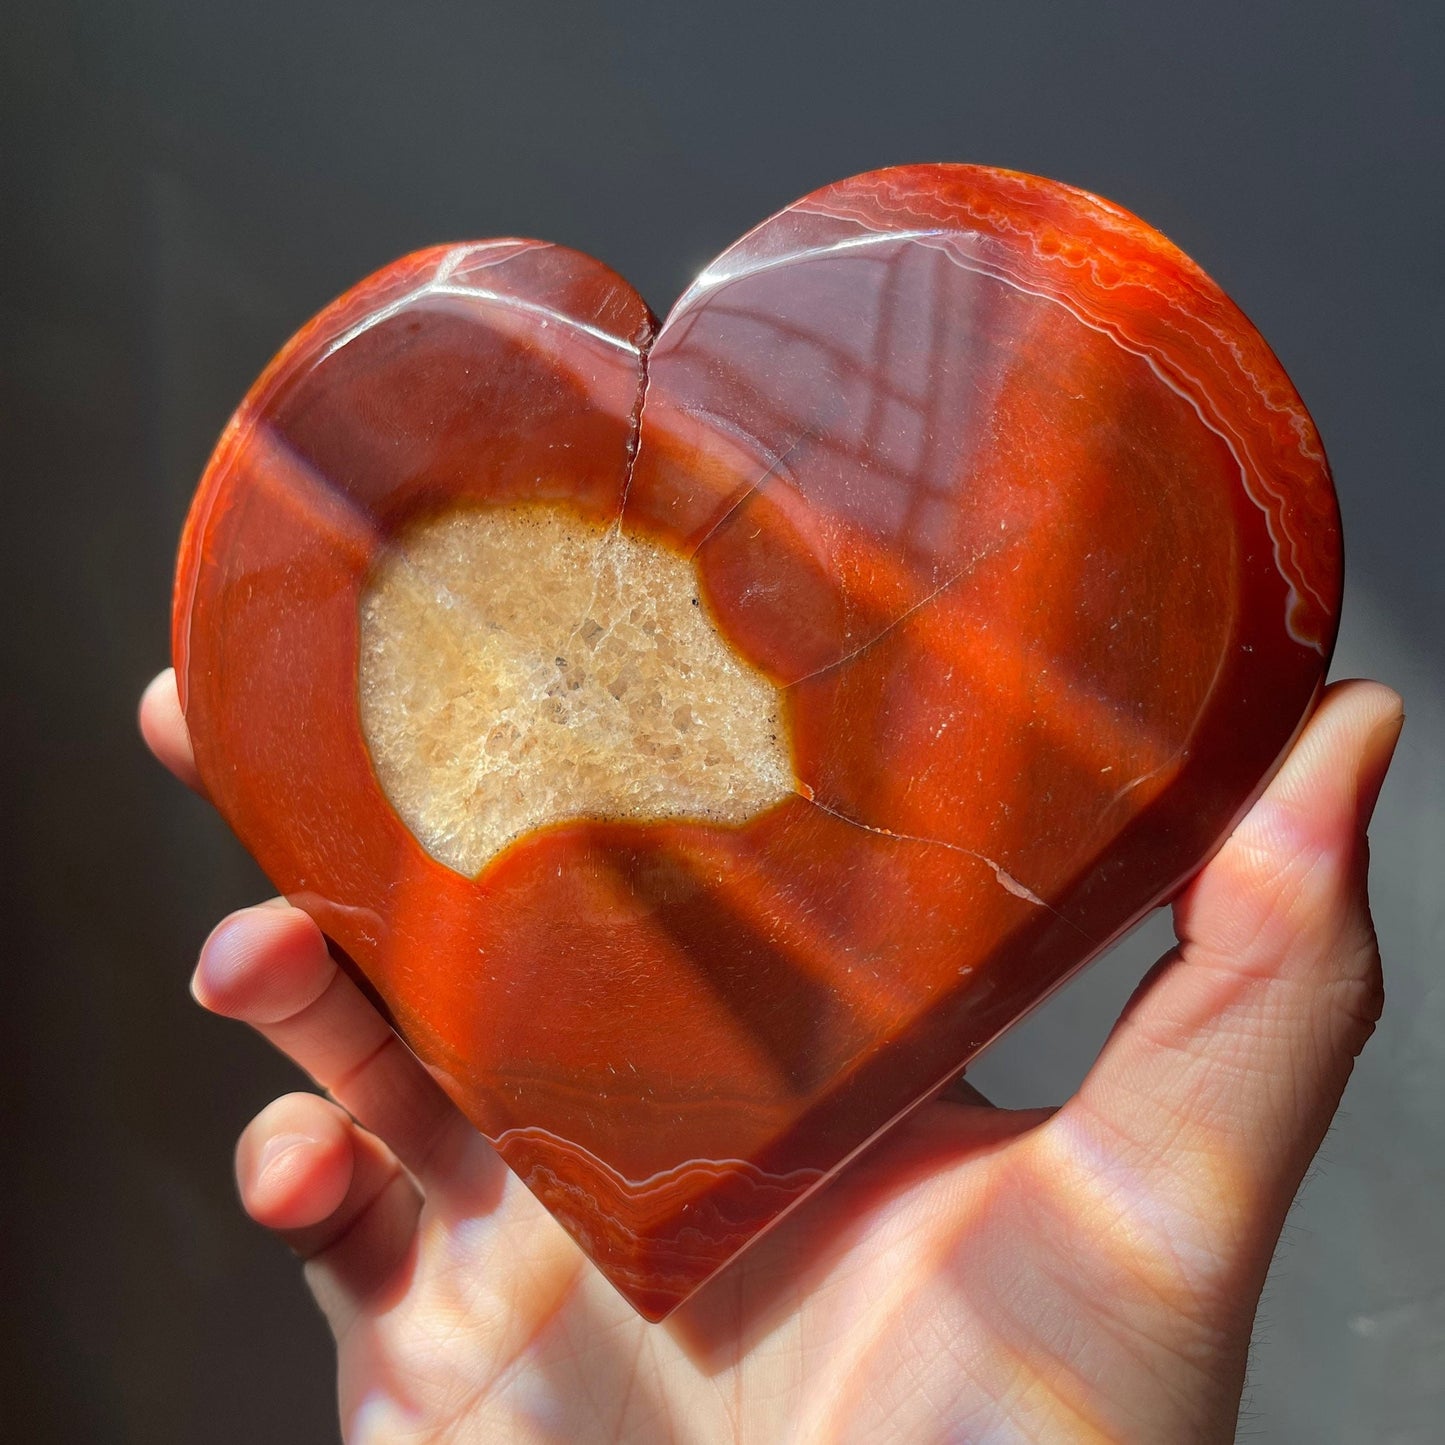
[(1011, 505)]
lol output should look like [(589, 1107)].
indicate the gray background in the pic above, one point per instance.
[(184, 183)]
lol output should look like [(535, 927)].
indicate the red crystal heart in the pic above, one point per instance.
[(1014, 568)]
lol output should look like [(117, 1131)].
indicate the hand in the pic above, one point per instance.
[(1089, 1273)]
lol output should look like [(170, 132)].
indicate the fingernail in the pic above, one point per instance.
[(217, 966), (276, 1149)]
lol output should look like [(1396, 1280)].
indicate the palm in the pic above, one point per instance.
[(979, 1274), (951, 1279)]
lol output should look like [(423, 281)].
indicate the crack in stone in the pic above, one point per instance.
[(987, 554), (643, 340), (809, 435), (1005, 879)]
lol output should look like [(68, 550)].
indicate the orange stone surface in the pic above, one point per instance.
[(1014, 507)]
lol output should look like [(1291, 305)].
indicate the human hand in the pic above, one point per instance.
[(1089, 1273)]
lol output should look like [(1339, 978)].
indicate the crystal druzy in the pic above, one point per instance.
[(705, 738)]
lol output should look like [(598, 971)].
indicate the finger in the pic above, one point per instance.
[(1220, 1080), (269, 967), (163, 726), (294, 1166), (335, 1193)]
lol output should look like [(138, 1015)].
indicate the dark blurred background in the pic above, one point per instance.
[(184, 183)]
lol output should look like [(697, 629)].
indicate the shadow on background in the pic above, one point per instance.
[(184, 184)]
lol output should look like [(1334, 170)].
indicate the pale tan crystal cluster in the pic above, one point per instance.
[(522, 666)]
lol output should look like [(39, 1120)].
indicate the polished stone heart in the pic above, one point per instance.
[(703, 740)]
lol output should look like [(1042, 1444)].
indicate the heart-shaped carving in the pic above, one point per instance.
[(959, 563)]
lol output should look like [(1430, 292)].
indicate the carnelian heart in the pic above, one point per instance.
[(811, 684)]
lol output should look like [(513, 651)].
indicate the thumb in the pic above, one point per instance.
[(1220, 1079)]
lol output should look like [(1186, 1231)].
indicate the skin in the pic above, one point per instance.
[(1079, 1274)]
